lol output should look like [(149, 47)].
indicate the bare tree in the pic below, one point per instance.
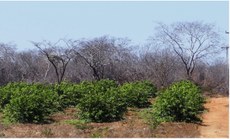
[(58, 55), (99, 54), (9, 69), (161, 66), (28, 61), (191, 41), (215, 77)]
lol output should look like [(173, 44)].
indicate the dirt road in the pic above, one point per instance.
[(216, 120)]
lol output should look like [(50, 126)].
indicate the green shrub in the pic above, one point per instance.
[(137, 93), (103, 104), (182, 101), (69, 94), (11, 89), (6, 92), (5, 97), (29, 102), (104, 85), (97, 86), (148, 87)]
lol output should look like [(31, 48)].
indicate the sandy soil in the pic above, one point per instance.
[(216, 119)]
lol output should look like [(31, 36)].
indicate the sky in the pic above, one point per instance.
[(22, 22)]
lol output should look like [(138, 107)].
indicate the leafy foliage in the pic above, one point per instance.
[(137, 93), (69, 94), (103, 102), (28, 102), (7, 92), (182, 101), (99, 101)]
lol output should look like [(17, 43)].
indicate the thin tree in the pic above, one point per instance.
[(57, 55), (191, 41), (97, 54)]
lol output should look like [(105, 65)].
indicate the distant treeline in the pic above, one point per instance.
[(175, 52)]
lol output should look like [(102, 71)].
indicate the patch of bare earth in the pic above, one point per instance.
[(131, 126), (176, 130), (216, 119)]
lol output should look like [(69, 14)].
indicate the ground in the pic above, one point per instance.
[(216, 119), (215, 124)]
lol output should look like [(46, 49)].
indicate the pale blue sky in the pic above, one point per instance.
[(21, 22)]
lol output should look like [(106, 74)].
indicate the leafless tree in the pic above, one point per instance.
[(28, 62), (161, 67), (215, 77), (191, 41), (58, 55), (99, 54), (9, 69)]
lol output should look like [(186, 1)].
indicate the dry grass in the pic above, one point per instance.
[(67, 125), (177, 130)]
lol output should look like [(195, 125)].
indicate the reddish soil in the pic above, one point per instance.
[(216, 119), (131, 126), (215, 124)]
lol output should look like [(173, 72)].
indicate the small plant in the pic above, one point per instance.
[(6, 92), (137, 93), (69, 94), (2, 135), (95, 135), (47, 132), (79, 124), (103, 103), (99, 133), (147, 116), (31, 105), (149, 88), (182, 101), (11, 89)]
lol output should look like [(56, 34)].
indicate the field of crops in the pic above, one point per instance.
[(88, 105)]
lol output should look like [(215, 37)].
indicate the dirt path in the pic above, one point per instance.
[(216, 121)]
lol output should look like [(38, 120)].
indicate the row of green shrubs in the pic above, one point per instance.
[(98, 101)]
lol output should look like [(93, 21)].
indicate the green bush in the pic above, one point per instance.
[(31, 106), (182, 101), (137, 93), (5, 97), (6, 92), (28, 102), (69, 94), (103, 102), (148, 87), (104, 85), (11, 89)]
